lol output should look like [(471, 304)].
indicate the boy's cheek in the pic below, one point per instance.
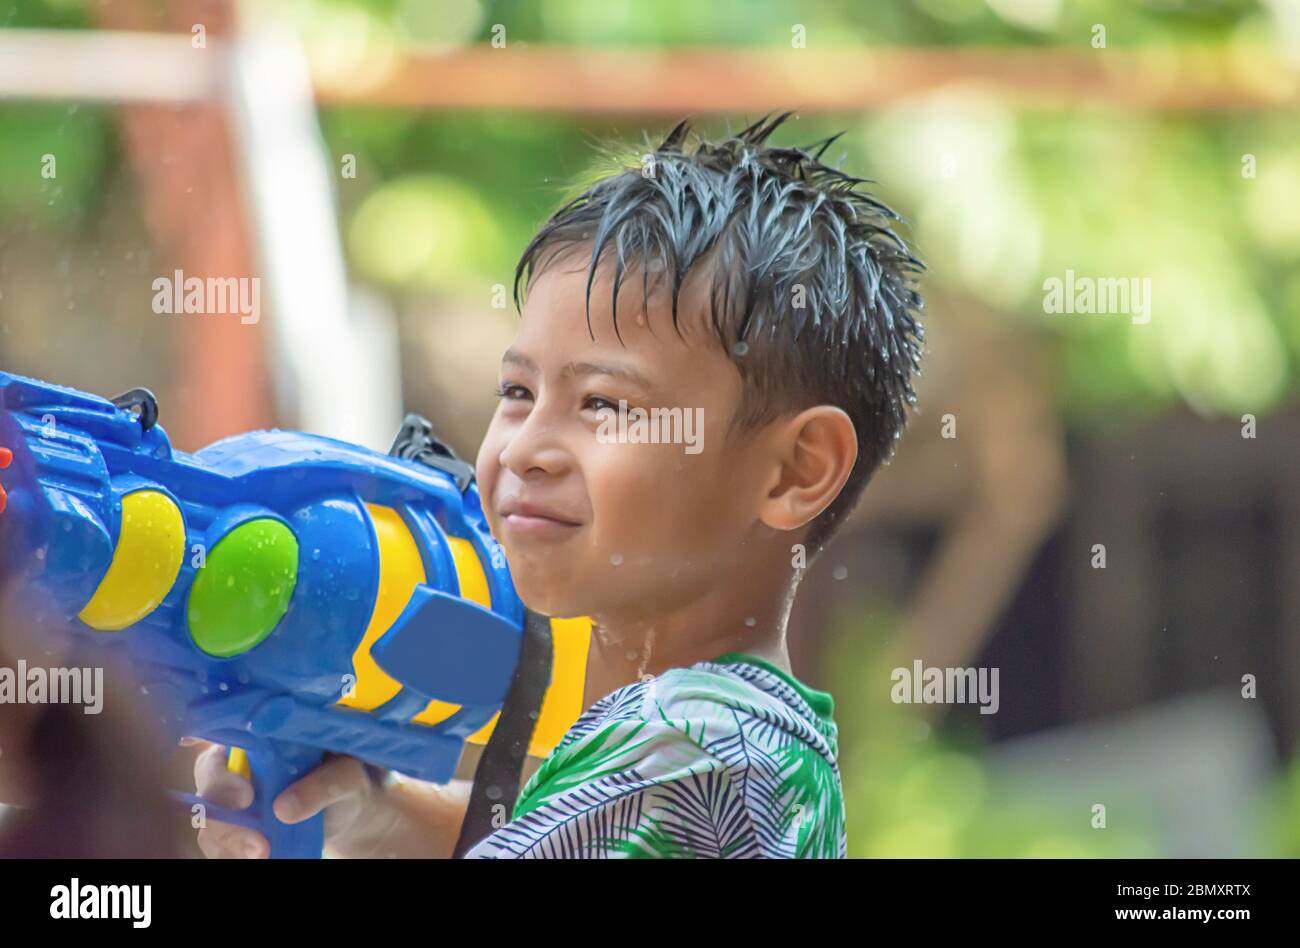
[(486, 470), (651, 479), (487, 451)]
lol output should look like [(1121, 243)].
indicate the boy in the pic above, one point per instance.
[(756, 290)]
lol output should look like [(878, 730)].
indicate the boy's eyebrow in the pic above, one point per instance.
[(597, 368), (511, 357)]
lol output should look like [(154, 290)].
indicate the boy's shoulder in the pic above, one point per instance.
[(717, 703), (731, 755)]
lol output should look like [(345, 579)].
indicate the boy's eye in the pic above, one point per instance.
[(513, 392), (596, 403)]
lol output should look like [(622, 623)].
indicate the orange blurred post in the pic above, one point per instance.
[(183, 159)]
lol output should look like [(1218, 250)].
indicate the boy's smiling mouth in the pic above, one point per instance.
[(530, 519)]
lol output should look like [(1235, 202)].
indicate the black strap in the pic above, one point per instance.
[(496, 778), (416, 441)]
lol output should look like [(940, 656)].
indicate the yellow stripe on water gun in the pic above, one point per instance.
[(400, 571), (146, 561)]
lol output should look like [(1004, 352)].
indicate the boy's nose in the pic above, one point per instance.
[(534, 450)]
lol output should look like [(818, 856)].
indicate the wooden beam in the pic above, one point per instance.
[(731, 81), (136, 67), (105, 66)]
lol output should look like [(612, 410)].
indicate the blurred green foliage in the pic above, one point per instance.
[(82, 148), (1278, 818), (999, 200), (749, 23)]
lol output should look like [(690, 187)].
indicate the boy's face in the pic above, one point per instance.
[(595, 526)]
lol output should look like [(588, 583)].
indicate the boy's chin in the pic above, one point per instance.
[(549, 597)]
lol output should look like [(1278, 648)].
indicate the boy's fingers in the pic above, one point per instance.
[(217, 782), (223, 841), (335, 779)]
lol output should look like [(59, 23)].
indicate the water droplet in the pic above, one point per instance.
[(840, 572), (617, 559)]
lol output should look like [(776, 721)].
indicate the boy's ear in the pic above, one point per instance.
[(814, 453)]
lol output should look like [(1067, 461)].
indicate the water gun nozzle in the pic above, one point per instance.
[(6, 458)]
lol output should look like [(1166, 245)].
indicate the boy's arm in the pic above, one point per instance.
[(364, 817), (413, 819)]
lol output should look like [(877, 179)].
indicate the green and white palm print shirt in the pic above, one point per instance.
[(731, 758)]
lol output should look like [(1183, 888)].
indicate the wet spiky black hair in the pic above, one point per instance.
[(773, 228)]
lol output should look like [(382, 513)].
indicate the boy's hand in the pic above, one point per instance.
[(339, 786)]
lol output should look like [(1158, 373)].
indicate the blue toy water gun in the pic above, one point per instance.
[(284, 594)]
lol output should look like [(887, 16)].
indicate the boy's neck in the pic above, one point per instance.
[(727, 620)]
